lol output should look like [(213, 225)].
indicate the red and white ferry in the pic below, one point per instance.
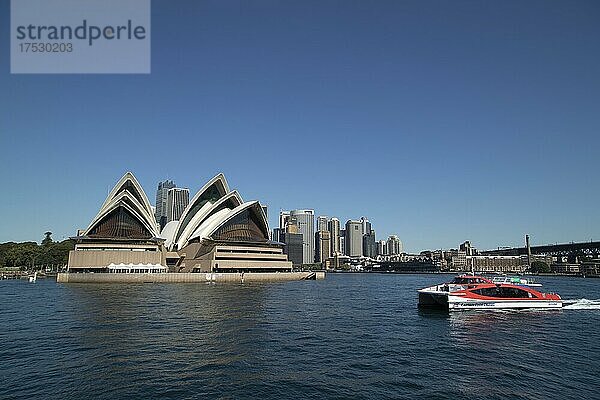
[(470, 292), (437, 295), (501, 296)]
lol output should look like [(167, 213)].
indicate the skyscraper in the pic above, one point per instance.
[(381, 248), (323, 246), (369, 244), (293, 247), (305, 220), (161, 202), (177, 201), (322, 240), (289, 235), (394, 245), (283, 219), (334, 230), (354, 238), (366, 225), (322, 223), (278, 235)]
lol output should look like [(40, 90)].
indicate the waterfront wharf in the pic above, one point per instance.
[(191, 277)]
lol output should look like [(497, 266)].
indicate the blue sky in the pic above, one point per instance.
[(440, 121)]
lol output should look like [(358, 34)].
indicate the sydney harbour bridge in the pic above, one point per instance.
[(570, 251)]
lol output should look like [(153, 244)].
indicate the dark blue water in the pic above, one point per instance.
[(349, 336)]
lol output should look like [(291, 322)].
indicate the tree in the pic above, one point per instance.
[(47, 240), (27, 255), (539, 266), (22, 255)]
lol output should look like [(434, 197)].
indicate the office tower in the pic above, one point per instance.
[(323, 249), (354, 238), (283, 218), (293, 247), (381, 248), (278, 235), (343, 242), (322, 223), (334, 230), (366, 225), (394, 245), (162, 194), (288, 234), (322, 254), (369, 244), (291, 225), (467, 248), (177, 201), (305, 220)]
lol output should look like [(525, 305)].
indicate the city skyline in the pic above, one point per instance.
[(274, 220), (481, 127)]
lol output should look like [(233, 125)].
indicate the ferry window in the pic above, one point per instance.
[(522, 293), (460, 281), (511, 292), (488, 292)]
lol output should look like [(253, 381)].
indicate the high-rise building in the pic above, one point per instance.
[(334, 230), (305, 220), (288, 234), (322, 223), (322, 226), (278, 235), (162, 194), (381, 248), (293, 247), (467, 248), (366, 225), (354, 238), (323, 249), (291, 225), (394, 245), (283, 218), (177, 201), (343, 242), (369, 244)]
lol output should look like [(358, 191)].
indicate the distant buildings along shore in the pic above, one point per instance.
[(216, 231), (328, 244)]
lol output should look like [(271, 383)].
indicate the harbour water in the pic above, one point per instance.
[(356, 336)]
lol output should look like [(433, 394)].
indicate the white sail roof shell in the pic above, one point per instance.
[(184, 229), (197, 223), (120, 196)]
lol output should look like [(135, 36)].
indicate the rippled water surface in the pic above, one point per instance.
[(349, 336)]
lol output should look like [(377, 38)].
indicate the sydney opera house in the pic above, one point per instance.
[(217, 232)]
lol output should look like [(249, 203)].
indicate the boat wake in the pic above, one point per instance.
[(581, 304)]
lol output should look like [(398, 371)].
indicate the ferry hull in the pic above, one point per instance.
[(461, 303), (433, 299)]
